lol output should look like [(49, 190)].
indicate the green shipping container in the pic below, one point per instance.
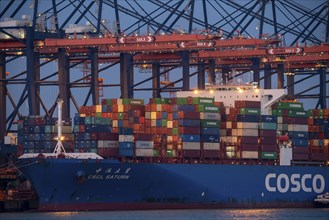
[(290, 105), (181, 101), (249, 111), (162, 101), (155, 153), (164, 123), (170, 153), (120, 115), (205, 108), (298, 113), (210, 123), (133, 101), (203, 101), (277, 112), (109, 101), (175, 131), (269, 155)]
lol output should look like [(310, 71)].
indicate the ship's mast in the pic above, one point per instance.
[(59, 146)]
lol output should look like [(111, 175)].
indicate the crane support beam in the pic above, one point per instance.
[(201, 75), (64, 82), (323, 88), (3, 89), (156, 80)]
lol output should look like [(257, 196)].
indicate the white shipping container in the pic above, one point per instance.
[(115, 123), (153, 123), (227, 111), (234, 132), (223, 132), (210, 116), (249, 125), (295, 127), (147, 115), (170, 146), (231, 139), (140, 152), (249, 154), (107, 144), (170, 138), (119, 102), (248, 132), (158, 107), (145, 144), (211, 146), (280, 120), (191, 146), (228, 124), (170, 124), (126, 138), (11, 140)]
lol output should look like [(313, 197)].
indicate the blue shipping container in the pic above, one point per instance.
[(126, 145), (190, 138), (297, 134), (189, 122), (299, 142), (126, 152), (209, 131), (210, 138), (248, 118), (268, 118), (126, 131)]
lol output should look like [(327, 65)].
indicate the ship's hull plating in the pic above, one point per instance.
[(69, 184)]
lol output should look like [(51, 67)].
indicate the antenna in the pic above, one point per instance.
[(59, 146)]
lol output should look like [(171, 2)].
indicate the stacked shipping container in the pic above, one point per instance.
[(37, 134)]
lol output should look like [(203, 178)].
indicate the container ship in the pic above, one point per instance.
[(225, 146)]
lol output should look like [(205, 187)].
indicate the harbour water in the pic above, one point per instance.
[(240, 214)]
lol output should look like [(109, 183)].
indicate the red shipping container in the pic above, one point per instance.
[(164, 107), (173, 101), (153, 107), (269, 147), (247, 104), (248, 147), (82, 128), (297, 156), (104, 102), (248, 140), (115, 108), (114, 101), (143, 137), (189, 130), (148, 107), (142, 120), (222, 124), (188, 115), (267, 133), (318, 157), (268, 140), (115, 130), (191, 153), (300, 150), (211, 154)]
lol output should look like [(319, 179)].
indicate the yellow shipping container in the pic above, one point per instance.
[(169, 124), (98, 108), (153, 116), (120, 108)]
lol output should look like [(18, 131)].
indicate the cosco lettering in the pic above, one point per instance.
[(294, 183)]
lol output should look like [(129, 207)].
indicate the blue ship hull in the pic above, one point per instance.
[(74, 184)]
